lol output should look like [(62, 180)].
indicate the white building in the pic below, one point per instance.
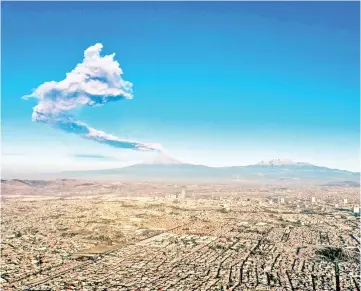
[(183, 194)]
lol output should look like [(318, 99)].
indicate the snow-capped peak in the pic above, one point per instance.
[(162, 159), (281, 162)]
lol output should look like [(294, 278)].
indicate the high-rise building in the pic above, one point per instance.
[(345, 201), (183, 194), (313, 199)]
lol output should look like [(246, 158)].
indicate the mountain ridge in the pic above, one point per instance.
[(282, 162), (268, 172)]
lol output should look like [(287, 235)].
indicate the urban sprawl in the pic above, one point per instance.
[(82, 235)]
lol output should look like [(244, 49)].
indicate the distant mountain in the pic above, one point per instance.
[(154, 171), (274, 171), (162, 159), (282, 162), (343, 184)]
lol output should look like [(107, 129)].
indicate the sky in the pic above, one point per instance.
[(212, 83)]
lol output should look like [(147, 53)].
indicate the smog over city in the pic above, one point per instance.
[(180, 146)]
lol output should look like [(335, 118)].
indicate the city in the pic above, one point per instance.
[(153, 236)]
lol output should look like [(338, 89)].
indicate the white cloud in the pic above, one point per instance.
[(94, 82)]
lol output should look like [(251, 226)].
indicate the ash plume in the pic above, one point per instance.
[(94, 82)]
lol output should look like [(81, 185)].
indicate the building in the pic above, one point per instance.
[(280, 200), (356, 210), (313, 199), (182, 195), (345, 201), (172, 196)]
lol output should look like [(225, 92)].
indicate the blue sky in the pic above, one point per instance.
[(214, 83)]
